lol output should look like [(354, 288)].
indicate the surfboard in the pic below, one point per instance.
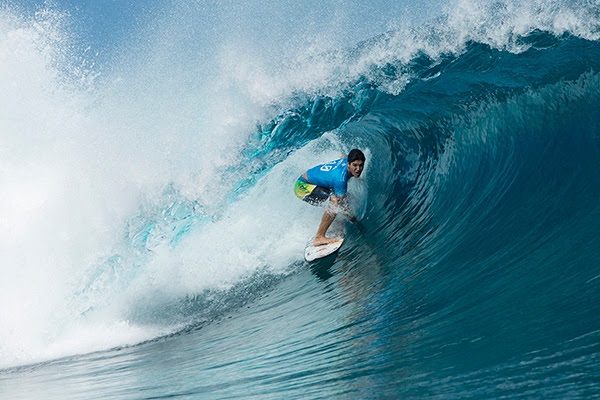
[(312, 253)]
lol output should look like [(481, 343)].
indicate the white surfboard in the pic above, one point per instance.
[(312, 253)]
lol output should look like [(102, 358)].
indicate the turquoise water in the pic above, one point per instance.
[(153, 247)]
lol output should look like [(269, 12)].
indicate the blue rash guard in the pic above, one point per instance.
[(333, 175)]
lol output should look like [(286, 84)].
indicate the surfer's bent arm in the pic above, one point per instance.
[(340, 203), (336, 202)]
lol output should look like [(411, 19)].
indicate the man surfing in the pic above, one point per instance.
[(330, 181)]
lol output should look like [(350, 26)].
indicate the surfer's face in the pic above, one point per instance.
[(356, 168)]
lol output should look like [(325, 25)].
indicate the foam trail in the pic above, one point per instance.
[(81, 163), (58, 209), (67, 190)]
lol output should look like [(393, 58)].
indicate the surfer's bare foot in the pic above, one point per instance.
[(320, 241)]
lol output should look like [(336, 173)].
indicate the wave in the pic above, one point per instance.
[(135, 210)]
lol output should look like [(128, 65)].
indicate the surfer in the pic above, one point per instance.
[(330, 181)]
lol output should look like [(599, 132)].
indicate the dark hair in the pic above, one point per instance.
[(355, 154)]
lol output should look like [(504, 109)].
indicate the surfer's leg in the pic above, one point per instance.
[(317, 195), (312, 194), (326, 221)]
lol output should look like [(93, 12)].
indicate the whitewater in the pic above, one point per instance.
[(151, 245)]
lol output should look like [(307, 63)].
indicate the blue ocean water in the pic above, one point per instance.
[(152, 246)]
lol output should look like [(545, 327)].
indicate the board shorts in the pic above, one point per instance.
[(310, 193)]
